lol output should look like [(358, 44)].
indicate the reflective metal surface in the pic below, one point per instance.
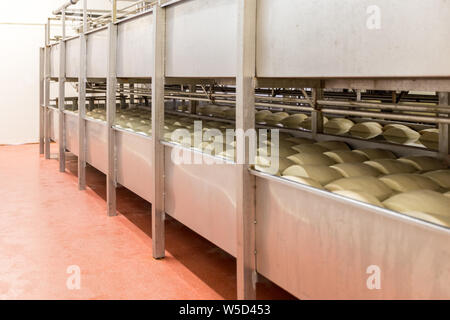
[(96, 145), (203, 197), (134, 168), (319, 246), (54, 61), (97, 51), (325, 38), (73, 58), (192, 49), (71, 120), (135, 47)]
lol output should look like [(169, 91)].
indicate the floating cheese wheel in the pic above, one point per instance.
[(370, 185), (366, 130), (321, 174), (346, 156), (311, 159), (391, 166), (404, 182), (426, 201), (338, 126), (401, 134), (424, 163), (374, 154), (261, 115), (263, 164), (275, 118), (334, 145), (441, 177), (306, 124), (349, 170), (294, 121), (309, 148), (305, 181), (360, 196), (298, 140), (430, 139)]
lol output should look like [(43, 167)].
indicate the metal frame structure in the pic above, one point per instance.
[(279, 229)]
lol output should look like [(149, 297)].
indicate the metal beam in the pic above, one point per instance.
[(444, 132), (158, 211), (41, 98), (82, 103), (61, 98), (111, 84), (47, 93), (245, 120)]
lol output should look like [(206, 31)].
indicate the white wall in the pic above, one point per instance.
[(19, 65)]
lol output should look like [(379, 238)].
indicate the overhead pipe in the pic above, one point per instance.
[(65, 6)]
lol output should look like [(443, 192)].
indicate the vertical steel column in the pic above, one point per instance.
[(316, 114), (245, 120), (47, 92), (192, 103), (111, 103), (82, 79), (61, 95), (41, 98), (158, 80), (444, 131), (131, 87)]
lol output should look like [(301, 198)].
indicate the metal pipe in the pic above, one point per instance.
[(64, 6)]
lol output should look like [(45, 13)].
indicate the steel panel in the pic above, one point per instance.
[(201, 38), (54, 61), (97, 51), (318, 246), (72, 132), (54, 124), (134, 168), (96, 145), (330, 38), (73, 58), (135, 48), (203, 197)]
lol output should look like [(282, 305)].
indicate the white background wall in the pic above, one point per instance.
[(19, 65)]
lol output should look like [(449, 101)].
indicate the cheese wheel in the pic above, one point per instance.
[(321, 174), (293, 121), (441, 177), (366, 130), (370, 185), (283, 152), (424, 163), (400, 134), (338, 126), (425, 201), (305, 181), (447, 194), (334, 145), (346, 156), (311, 159), (306, 124), (430, 140), (275, 118), (309, 148), (391, 166), (435, 219), (360, 196), (298, 140), (349, 170), (404, 182), (263, 164), (261, 115), (374, 154)]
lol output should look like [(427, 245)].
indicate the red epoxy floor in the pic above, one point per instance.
[(47, 225)]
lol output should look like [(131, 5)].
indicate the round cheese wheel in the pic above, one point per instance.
[(370, 185), (283, 152), (298, 140), (311, 159), (435, 219), (338, 126), (293, 121), (441, 177), (264, 164), (349, 170), (321, 174), (404, 182), (391, 166), (309, 148), (400, 134), (366, 130), (424, 163), (305, 181), (374, 154), (334, 145), (425, 201), (275, 118), (430, 140), (306, 124), (346, 156), (360, 196), (261, 115)]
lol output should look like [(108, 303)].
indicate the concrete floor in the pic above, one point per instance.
[(47, 225)]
